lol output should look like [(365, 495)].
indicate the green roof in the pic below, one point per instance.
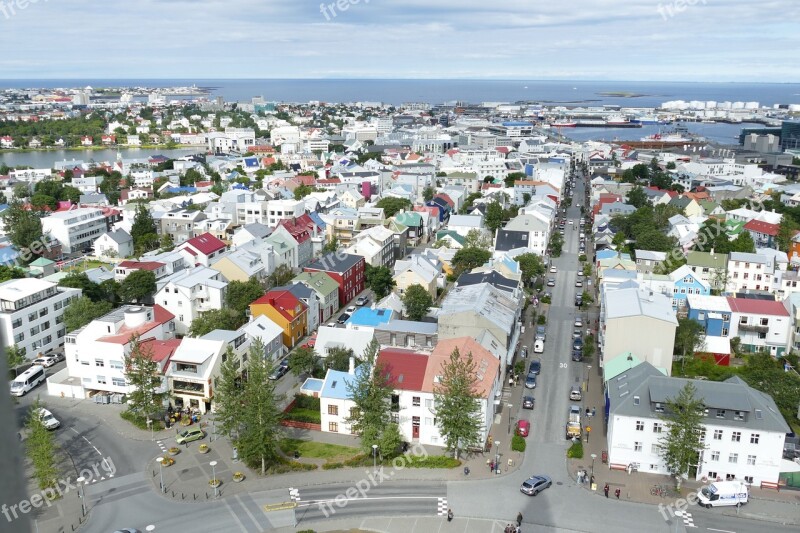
[(706, 260), (621, 364), (318, 281), (452, 234), (410, 217), (42, 262)]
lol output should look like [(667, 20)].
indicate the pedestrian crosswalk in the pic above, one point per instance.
[(686, 516), (442, 507), (294, 494), (163, 447)]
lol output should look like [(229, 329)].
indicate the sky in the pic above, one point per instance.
[(641, 40)]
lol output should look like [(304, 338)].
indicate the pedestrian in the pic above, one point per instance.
[(616, 493), (606, 489), (519, 519), (491, 466), (594, 411), (449, 515)]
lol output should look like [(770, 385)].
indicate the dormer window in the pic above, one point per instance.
[(659, 407)]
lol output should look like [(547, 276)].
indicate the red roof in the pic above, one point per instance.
[(300, 227), (123, 336), (206, 244), (447, 199), (671, 194), (161, 350), (281, 300), (406, 368), (431, 210), (305, 179), (759, 226), (757, 307), (141, 265)]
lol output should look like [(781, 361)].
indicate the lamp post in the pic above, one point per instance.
[(509, 417), (594, 456), (150, 425), (588, 368), (374, 457), (497, 457), (160, 461), (214, 476), (81, 494)]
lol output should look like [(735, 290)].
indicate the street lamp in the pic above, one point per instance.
[(214, 476), (509, 417), (497, 457), (374, 457), (160, 461), (594, 456), (588, 368), (81, 494)]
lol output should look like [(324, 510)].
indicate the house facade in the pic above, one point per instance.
[(191, 292), (327, 292), (346, 269), (287, 311)]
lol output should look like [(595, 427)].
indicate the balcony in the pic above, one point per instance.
[(754, 327)]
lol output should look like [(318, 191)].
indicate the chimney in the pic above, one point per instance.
[(711, 252), (352, 369)]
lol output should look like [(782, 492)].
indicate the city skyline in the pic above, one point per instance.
[(641, 40)]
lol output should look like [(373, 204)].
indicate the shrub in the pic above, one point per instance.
[(304, 415), (137, 420), (575, 451), (582, 258), (431, 461), (517, 443), (541, 320), (545, 299), (301, 401), (332, 466)]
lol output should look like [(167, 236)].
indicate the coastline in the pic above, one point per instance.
[(103, 147)]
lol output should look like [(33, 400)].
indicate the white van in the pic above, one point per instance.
[(723, 493), (26, 381), (538, 346)]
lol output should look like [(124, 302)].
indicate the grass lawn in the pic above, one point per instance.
[(80, 266), (318, 450)]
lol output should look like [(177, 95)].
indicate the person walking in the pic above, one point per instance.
[(450, 515), (519, 519), (606, 489), (616, 493)]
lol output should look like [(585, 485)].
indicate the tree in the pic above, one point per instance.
[(654, 240), (302, 191), (469, 202), (145, 399), (743, 243), (427, 193), (190, 177), (681, 445), (556, 245), (512, 177), (280, 276), (636, 197), (10, 272), (41, 448), (456, 399), (228, 395), (21, 190), (689, 337), (338, 358), (786, 230), (83, 310), (526, 197), (477, 239), (391, 205), (15, 356), (380, 280), (23, 229), (261, 416), (531, 266), (417, 302), (40, 201), (303, 360), (370, 391), (466, 259), (494, 216), (167, 243), (240, 294), (137, 286), (587, 298), (331, 246), (215, 319), (143, 229), (79, 280)]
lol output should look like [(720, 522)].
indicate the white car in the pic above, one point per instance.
[(553, 269), (47, 418), (580, 273), (46, 361), (350, 310), (578, 283), (570, 221), (578, 322), (538, 346)]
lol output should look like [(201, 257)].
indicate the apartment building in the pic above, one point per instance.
[(190, 292), (284, 210), (31, 314), (77, 229)]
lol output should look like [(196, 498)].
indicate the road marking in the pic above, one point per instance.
[(721, 530), (687, 518), (306, 503), (442, 507)]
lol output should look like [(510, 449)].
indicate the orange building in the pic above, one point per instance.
[(286, 310)]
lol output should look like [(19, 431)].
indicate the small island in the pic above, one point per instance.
[(621, 94)]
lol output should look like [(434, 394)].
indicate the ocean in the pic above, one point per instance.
[(651, 94)]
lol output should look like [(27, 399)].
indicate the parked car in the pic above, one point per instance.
[(530, 381), (535, 368), (280, 370), (524, 352), (47, 418), (575, 393), (540, 333), (46, 361), (527, 402), (578, 301), (538, 346), (577, 343), (344, 317), (577, 355), (578, 283), (350, 310), (523, 428), (578, 322), (189, 434), (58, 356), (535, 484), (553, 269), (576, 334), (551, 282), (362, 300)]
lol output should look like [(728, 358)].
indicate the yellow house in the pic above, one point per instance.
[(286, 310), (419, 270)]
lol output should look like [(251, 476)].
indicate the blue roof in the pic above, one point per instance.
[(186, 189), (241, 186), (517, 123), (8, 255), (312, 384), (606, 254), (335, 386), (251, 162), (317, 219), (367, 316)]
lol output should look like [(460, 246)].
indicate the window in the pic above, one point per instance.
[(748, 480), (712, 475), (754, 438), (733, 458), (738, 415), (736, 436), (717, 434), (724, 332), (715, 456), (118, 382), (333, 410), (101, 380), (639, 425), (659, 408), (657, 427), (415, 401), (655, 449), (99, 362), (429, 403), (637, 446), (720, 413), (333, 427), (765, 321), (743, 320), (703, 435), (726, 318), (751, 460), (701, 316)]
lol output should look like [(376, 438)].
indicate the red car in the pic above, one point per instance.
[(523, 428)]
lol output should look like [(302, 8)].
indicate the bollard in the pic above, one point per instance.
[(194, 496), (183, 496), (173, 493)]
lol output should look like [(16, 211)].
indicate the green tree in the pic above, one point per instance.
[(743, 243), (556, 244), (689, 337), (282, 275), (456, 402), (83, 310), (21, 190), (261, 414), (427, 193), (636, 197), (371, 392), (10, 272), (15, 356), (526, 197), (23, 229), (302, 191), (338, 358), (331, 246), (215, 319), (587, 298), (469, 202), (531, 266), (40, 201), (240, 294), (513, 177), (477, 239), (681, 444), (303, 361), (137, 286), (786, 230), (79, 280), (190, 177), (494, 216), (380, 280), (767, 374), (466, 259), (143, 229), (391, 206), (654, 240), (41, 449), (146, 399), (167, 243), (228, 395), (417, 302)]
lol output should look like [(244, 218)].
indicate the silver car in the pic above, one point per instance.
[(535, 484)]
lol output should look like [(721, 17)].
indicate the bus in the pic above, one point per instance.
[(28, 380)]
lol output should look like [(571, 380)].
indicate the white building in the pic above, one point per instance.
[(191, 371), (743, 433), (284, 210), (116, 243), (232, 139), (751, 272), (271, 335), (190, 292), (375, 245), (31, 314), (76, 229)]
